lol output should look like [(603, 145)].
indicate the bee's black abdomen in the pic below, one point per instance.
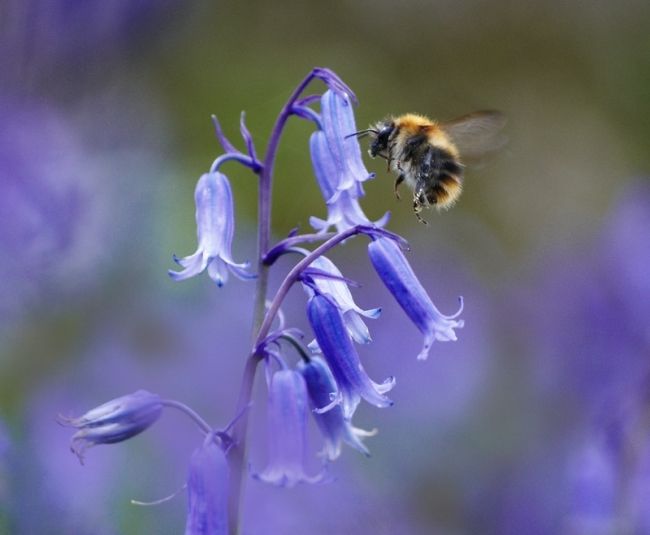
[(452, 167)]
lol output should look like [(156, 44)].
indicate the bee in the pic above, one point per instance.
[(429, 155)]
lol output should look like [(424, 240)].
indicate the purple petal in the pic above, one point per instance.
[(342, 358), (207, 491), (287, 415), (397, 275)]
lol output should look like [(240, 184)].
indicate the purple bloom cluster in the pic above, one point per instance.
[(328, 381)]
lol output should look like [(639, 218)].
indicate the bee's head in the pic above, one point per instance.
[(381, 134)]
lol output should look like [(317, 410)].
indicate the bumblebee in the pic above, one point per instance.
[(429, 156)]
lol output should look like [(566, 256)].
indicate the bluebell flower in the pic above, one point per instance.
[(287, 420), (114, 421), (398, 276), (338, 290), (338, 165), (207, 491), (215, 227), (334, 341), (334, 427)]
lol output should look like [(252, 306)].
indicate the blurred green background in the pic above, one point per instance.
[(572, 77)]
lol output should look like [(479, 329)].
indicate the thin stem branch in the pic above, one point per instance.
[(293, 275), (238, 452), (189, 412), (264, 203)]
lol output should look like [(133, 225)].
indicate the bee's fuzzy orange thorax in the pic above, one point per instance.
[(414, 122)]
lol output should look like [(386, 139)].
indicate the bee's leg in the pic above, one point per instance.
[(398, 181), (418, 202), (390, 158)]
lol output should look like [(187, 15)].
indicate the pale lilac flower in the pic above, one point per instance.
[(337, 288), (114, 421), (338, 165), (207, 491), (398, 276), (334, 341), (287, 420), (334, 427), (215, 227)]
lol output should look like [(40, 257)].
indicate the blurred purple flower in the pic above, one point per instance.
[(334, 341), (44, 41), (287, 420), (337, 288), (215, 222), (333, 426), (114, 421), (338, 165), (596, 303), (396, 273), (593, 482), (608, 472), (65, 216), (207, 491)]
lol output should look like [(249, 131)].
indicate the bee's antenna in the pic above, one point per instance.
[(362, 133)]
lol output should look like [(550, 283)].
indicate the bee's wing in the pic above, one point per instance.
[(477, 134)]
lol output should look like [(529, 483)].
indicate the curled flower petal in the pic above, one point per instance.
[(338, 290), (221, 137), (114, 421), (207, 491), (215, 227), (334, 427), (287, 414), (248, 138), (334, 341), (398, 276), (332, 80)]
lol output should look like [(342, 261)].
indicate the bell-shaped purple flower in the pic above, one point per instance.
[(207, 491), (336, 287), (334, 341), (114, 421), (338, 165), (334, 427), (215, 227), (287, 418), (397, 275)]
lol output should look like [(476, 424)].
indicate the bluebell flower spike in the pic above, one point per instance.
[(398, 276), (215, 228)]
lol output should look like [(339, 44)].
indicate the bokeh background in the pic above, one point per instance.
[(535, 421)]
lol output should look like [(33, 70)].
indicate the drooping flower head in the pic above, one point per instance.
[(334, 427), (343, 360), (215, 222), (328, 280), (207, 490), (398, 276), (114, 421), (287, 420), (338, 165)]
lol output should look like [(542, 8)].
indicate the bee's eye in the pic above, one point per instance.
[(384, 133)]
